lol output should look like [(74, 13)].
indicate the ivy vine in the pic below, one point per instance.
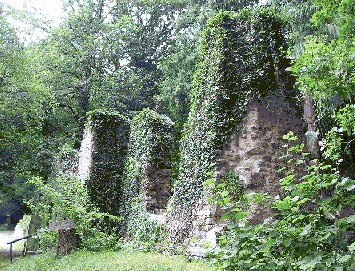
[(110, 136), (151, 146)]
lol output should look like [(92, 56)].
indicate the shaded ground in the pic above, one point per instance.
[(5, 237), (5, 254)]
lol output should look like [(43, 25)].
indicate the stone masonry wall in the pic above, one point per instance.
[(155, 189), (243, 102), (85, 155), (102, 157), (253, 152), (148, 170)]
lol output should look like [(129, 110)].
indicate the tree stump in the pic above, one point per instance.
[(67, 241)]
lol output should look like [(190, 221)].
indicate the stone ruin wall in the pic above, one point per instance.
[(155, 180), (155, 189), (254, 154), (85, 155), (148, 167), (101, 157)]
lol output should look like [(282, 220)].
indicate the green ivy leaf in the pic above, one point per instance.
[(290, 136), (345, 258), (209, 182), (306, 230), (240, 215), (283, 204), (350, 219), (224, 194), (351, 248)]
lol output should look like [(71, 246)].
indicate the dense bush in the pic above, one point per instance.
[(143, 232), (66, 198), (325, 72)]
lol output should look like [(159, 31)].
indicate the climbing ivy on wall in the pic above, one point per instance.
[(110, 135), (150, 150), (242, 58)]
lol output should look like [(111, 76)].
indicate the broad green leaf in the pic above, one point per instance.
[(209, 182)]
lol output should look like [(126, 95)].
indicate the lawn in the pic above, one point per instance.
[(110, 261)]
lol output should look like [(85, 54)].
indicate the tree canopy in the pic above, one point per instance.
[(127, 56)]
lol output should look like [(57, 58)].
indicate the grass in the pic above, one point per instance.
[(94, 261)]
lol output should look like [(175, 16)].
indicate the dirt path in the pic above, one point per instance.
[(5, 237)]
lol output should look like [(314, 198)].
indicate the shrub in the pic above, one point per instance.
[(66, 198), (312, 227)]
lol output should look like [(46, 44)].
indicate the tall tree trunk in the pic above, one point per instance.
[(312, 131)]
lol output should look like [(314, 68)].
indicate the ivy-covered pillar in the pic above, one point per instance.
[(241, 91), (102, 158), (146, 187)]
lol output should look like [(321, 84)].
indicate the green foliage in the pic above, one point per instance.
[(339, 144), (325, 69), (313, 225), (297, 14), (241, 59), (23, 110), (178, 65), (110, 135), (24, 223), (151, 146), (129, 55), (66, 198), (151, 139), (325, 72), (339, 14), (312, 228), (227, 189), (119, 55), (144, 233)]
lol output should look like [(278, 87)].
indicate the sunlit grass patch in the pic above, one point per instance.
[(127, 261)]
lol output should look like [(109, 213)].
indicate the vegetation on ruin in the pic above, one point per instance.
[(242, 58), (150, 149), (164, 82), (110, 132)]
